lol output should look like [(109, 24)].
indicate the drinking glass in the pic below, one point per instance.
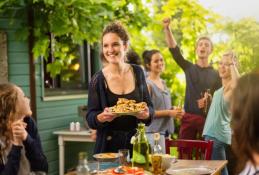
[(156, 164), (180, 103), (179, 107), (124, 157), (93, 166)]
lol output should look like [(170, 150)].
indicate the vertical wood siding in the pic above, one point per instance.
[(51, 115)]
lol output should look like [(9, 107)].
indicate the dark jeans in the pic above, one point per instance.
[(218, 151)]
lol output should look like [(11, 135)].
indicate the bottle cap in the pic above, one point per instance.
[(141, 125), (77, 126), (72, 126), (82, 155)]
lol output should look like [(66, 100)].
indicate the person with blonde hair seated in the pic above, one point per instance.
[(20, 146)]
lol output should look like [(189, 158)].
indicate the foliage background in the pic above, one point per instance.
[(60, 25)]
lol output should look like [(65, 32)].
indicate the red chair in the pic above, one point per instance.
[(191, 149)]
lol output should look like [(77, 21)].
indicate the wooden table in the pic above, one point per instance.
[(216, 165), (72, 136)]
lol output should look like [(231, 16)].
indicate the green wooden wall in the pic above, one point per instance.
[(51, 115)]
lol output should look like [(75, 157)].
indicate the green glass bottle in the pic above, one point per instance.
[(141, 148)]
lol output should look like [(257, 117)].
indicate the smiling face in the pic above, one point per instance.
[(157, 64), (113, 48), (203, 48)]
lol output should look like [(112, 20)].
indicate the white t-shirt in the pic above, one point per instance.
[(250, 169)]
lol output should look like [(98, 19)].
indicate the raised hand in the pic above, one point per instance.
[(166, 22), (170, 40)]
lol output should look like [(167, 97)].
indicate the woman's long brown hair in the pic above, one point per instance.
[(8, 99), (245, 118)]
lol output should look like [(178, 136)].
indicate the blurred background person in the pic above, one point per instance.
[(116, 80), (217, 125), (133, 57), (163, 122), (245, 124), (20, 146)]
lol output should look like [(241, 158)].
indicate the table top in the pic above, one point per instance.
[(74, 173), (216, 165)]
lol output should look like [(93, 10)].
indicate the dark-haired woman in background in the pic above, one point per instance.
[(116, 80), (245, 124), (163, 122), (20, 147)]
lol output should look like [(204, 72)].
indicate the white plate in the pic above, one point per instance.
[(189, 171), (106, 157), (126, 113)]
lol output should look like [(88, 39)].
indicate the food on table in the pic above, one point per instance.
[(106, 156), (128, 171)]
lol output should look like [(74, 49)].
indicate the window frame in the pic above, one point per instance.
[(66, 94)]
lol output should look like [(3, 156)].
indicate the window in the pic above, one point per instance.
[(73, 80)]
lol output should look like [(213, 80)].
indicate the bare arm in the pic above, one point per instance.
[(165, 113), (169, 113), (172, 44), (170, 40), (234, 77), (234, 74)]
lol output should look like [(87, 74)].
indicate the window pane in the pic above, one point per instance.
[(74, 76)]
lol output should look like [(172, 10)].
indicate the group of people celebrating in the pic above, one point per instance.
[(205, 88), (231, 119)]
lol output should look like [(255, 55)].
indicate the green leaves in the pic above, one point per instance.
[(49, 2), (71, 22), (242, 37), (41, 47)]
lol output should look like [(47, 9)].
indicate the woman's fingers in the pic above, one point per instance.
[(106, 116), (109, 118), (18, 129), (20, 123), (143, 114)]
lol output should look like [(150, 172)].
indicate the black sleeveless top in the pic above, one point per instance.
[(123, 123), (122, 128), (116, 134)]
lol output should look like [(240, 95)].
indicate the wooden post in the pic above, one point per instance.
[(3, 58)]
